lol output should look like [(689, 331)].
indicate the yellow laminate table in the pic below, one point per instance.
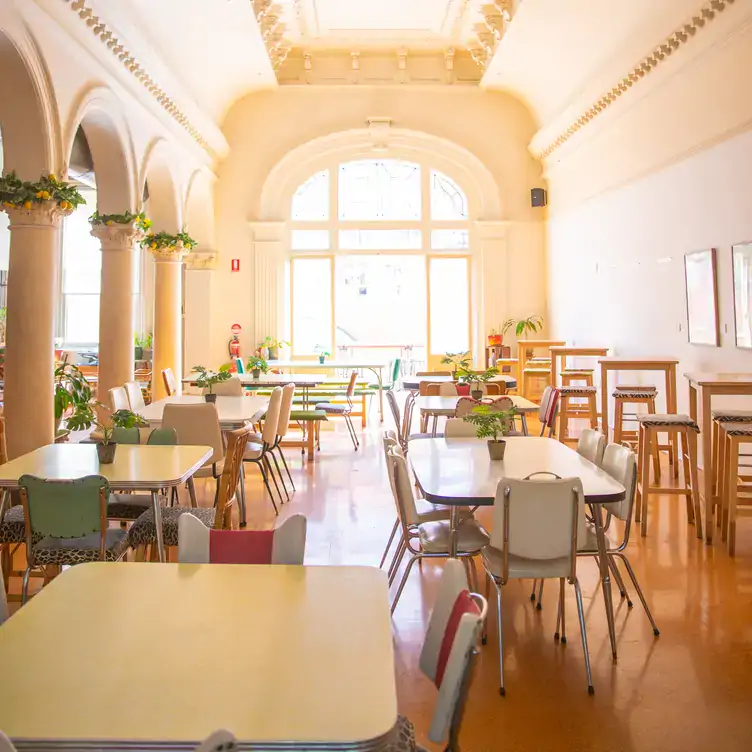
[(161, 655), (708, 385), (136, 468), (233, 412)]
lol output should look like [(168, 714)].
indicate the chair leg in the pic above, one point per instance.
[(351, 429), (397, 560), (191, 492), (695, 483), (561, 616), (287, 469), (636, 584), (647, 436), (25, 585), (412, 561), (265, 478), (270, 473), (583, 635), (539, 604), (502, 690), (532, 592), (619, 581), (389, 542), (279, 472), (241, 496)]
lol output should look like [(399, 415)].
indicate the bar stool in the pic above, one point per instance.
[(568, 410), (735, 434), (535, 373), (685, 428), (570, 375)]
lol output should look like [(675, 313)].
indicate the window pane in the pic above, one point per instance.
[(376, 189), (448, 202), (311, 305), (448, 239), (379, 240), (310, 240), (450, 305), (81, 319), (82, 255), (311, 201), (380, 300)]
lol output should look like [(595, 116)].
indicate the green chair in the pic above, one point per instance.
[(126, 435), (71, 517), (389, 385), (239, 365)]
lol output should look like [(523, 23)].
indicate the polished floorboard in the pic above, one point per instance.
[(688, 689)]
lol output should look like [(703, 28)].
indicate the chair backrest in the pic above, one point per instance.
[(228, 482), (539, 518), (219, 741), (429, 388), (465, 406), (196, 425), (433, 373), (591, 444), (456, 428), (135, 396), (6, 745), (229, 388), (621, 464), (407, 418), (448, 389), (239, 367), (271, 419), (496, 387), (449, 647), (396, 366), (168, 379), (391, 399), (163, 437), (285, 410), (403, 489), (65, 509), (119, 399), (351, 385), (500, 404), (197, 544), (122, 435), (549, 408)]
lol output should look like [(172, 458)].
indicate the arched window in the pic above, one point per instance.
[(380, 260)]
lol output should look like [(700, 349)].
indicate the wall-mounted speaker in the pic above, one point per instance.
[(538, 196)]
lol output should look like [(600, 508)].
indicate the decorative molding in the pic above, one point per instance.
[(118, 49), (268, 16), (496, 17), (118, 237), (44, 214), (199, 260), (673, 42), (171, 253)]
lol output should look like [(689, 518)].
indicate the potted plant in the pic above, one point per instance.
[(166, 244), (492, 425), (495, 339), (476, 378), (138, 347), (272, 347), (23, 194), (530, 325), (206, 379), (72, 391), (148, 350), (106, 428), (322, 353), (257, 364), (459, 361)]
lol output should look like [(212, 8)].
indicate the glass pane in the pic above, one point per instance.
[(81, 319), (380, 240), (137, 269), (82, 255), (449, 239), (311, 201), (311, 305), (377, 189), (310, 240), (448, 201), (380, 300), (450, 305)]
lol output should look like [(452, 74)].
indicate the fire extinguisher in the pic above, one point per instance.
[(233, 346)]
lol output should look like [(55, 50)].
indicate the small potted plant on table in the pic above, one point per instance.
[(273, 346), (493, 425), (206, 379), (322, 353), (459, 361), (257, 365), (476, 378), (119, 419)]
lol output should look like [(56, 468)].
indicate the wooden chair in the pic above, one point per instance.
[(735, 487), (568, 409), (571, 375), (168, 379), (429, 388), (718, 458), (433, 373)]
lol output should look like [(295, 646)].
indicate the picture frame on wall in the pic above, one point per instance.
[(701, 288), (741, 264)]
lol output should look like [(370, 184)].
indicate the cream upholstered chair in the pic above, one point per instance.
[(456, 428), (229, 388), (536, 525), (283, 424), (426, 539), (447, 389), (135, 396), (258, 451), (170, 384), (119, 399), (219, 741), (197, 544), (426, 511), (198, 425), (446, 658), (591, 445)]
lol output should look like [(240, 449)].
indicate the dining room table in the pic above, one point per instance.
[(136, 467), (413, 382), (107, 657), (233, 412), (460, 474), (435, 407)]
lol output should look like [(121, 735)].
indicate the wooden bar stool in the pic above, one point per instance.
[(638, 395), (676, 426), (568, 410), (570, 375), (720, 418), (736, 487)]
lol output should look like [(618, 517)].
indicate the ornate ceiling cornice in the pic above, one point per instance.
[(118, 49), (681, 36)]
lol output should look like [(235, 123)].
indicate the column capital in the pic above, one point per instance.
[(170, 254), (268, 232), (45, 214), (202, 259), (491, 229), (117, 237)]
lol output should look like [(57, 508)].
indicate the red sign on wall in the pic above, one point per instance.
[(236, 265)]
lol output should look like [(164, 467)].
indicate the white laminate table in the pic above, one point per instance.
[(413, 382), (460, 473), (234, 412), (136, 468), (446, 406), (284, 657)]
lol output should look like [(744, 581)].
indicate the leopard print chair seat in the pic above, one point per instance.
[(70, 551), (143, 532), (669, 421), (402, 737)]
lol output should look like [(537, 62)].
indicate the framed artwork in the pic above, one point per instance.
[(741, 260), (702, 298)]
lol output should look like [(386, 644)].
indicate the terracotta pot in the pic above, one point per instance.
[(494, 340), (496, 449), (463, 390), (106, 453), (210, 397)]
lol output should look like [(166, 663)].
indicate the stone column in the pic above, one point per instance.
[(116, 305), (30, 344), (168, 323), (269, 279)]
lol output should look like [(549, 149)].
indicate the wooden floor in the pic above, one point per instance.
[(689, 689)]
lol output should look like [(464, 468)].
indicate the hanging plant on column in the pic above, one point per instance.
[(167, 244), (139, 220), (48, 190)]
